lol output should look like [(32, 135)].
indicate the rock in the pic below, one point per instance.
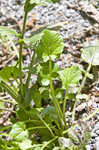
[(97, 145), (93, 135), (97, 132)]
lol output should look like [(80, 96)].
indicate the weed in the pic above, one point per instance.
[(42, 125)]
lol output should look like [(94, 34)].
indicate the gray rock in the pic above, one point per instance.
[(97, 145), (97, 139), (96, 127), (97, 132), (93, 135)]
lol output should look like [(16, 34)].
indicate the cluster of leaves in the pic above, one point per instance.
[(41, 107)]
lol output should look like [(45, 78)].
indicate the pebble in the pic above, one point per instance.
[(52, 14), (97, 145)]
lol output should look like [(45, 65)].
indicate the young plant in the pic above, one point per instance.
[(40, 113)]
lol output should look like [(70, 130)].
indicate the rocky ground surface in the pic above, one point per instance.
[(77, 21)]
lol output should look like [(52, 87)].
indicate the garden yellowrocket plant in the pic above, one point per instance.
[(41, 126)]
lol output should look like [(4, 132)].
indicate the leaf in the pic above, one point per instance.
[(34, 39), (18, 132), (28, 7), (26, 144), (30, 4), (2, 106), (50, 114), (50, 46), (56, 148), (9, 72), (70, 76), (7, 31), (44, 75), (36, 96), (40, 2), (90, 54)]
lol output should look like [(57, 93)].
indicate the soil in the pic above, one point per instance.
[(77, 22)]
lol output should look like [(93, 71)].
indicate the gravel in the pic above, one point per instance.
[(72, 32)]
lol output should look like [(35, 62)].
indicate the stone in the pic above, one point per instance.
[(97, 145)]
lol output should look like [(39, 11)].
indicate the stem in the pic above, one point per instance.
[(49, 142), (46, 125), (55, 102), (64, 107), (20, 50), (79, 91)]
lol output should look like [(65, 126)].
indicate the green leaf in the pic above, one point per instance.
[(40, 2), (7, 31), (30, 4), (50, 46), (50, 114), (70, 76), (9, 72), (2, 106), (36, 96), (26, 144), (18, 131), (56, 148), (34, 39), (90, 53), (44, 75)]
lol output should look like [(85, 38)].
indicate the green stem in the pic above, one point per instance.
[(79, 91), (64, 107), (55, 102), (46, 125), (49, 142), (20, 50)]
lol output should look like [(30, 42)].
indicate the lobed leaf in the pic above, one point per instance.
[(7, 31), (9, 72), (50, 46), (70, 76), (34, 39)]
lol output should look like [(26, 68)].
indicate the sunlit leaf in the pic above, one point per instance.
[(90, 53), (18, 132), (26, 144), (50, 46), (9, 72), (34, 39), (70, 76), (7, 31)]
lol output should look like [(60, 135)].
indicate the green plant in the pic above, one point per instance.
[(40, 126)]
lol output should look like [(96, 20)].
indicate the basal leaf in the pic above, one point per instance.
[(18, 129), (26, 144), (9, 72), (36, 96), (70, 76), (50, 114), (90, 53), (50, 46), (7, 31), (44, 76)]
